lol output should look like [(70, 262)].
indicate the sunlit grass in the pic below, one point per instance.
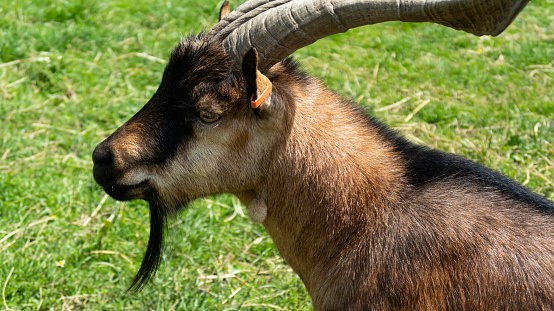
[(73, 71)]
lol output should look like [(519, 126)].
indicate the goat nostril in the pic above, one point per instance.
[(102, 156)]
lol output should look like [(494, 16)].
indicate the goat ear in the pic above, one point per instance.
[(224, 10), (258, 86)]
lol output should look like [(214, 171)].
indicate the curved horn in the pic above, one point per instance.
[(277, 28)]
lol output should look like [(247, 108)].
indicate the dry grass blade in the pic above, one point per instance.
[(399, 103), (96, 210), (6, 237), (418, 108), (4, 289), (112, 253), (15, 62), (142, 55)]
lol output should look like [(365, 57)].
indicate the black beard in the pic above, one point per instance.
[(153, 256)]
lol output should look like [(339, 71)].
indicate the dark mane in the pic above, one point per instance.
[(427, 165)]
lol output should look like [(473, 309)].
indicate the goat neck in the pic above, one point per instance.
[(330, 178)]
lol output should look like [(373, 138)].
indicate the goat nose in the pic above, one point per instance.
[(103, 159), (102, 155)]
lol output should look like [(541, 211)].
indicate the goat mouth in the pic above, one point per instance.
[(128, 192)]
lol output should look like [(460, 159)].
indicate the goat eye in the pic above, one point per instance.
[(208, 117)]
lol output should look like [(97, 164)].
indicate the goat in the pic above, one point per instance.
[(367, 219)]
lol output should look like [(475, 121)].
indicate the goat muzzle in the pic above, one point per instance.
[(108, 175)]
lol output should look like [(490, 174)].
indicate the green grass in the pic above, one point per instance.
[(72, 71)]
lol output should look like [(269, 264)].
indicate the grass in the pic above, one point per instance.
[(72, 71)]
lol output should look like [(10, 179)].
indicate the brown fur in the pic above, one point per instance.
[(343, 216), (339, 196)]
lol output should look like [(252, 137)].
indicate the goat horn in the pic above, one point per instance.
[(277, 28)]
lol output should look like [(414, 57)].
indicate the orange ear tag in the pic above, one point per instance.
[(256, 103)]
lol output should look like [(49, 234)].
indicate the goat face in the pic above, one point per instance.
[(195, 137)]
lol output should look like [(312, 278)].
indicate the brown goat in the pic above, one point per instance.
[(369, 220)]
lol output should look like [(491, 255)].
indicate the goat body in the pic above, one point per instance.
[(366, 218), (371, 221)]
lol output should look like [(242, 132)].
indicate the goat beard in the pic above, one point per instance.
[(153, 255)]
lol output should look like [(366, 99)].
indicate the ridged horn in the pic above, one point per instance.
[(277, 28)]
